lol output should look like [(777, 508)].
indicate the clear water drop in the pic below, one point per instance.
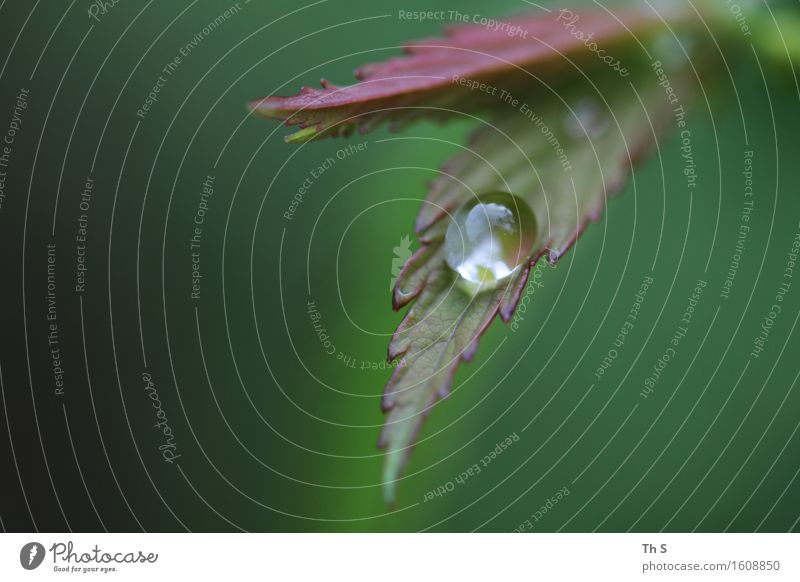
[(489, 238), (586, 118)]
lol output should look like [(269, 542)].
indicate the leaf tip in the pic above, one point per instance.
[(266, 107), (392, 466), (513, 293), (389, 488)]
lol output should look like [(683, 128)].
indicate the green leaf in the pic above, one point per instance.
[(564, 153)]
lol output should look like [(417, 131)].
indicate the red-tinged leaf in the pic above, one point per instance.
[(421, 83), (518, 154)]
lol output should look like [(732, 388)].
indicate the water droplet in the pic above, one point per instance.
[(489, 238), (586, 118)]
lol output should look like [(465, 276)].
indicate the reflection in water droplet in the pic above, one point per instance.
[(489, 237), (586, 118)]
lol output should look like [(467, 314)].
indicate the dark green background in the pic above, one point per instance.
[(275, 434)]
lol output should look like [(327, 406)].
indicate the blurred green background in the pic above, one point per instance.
[(276, 434)]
